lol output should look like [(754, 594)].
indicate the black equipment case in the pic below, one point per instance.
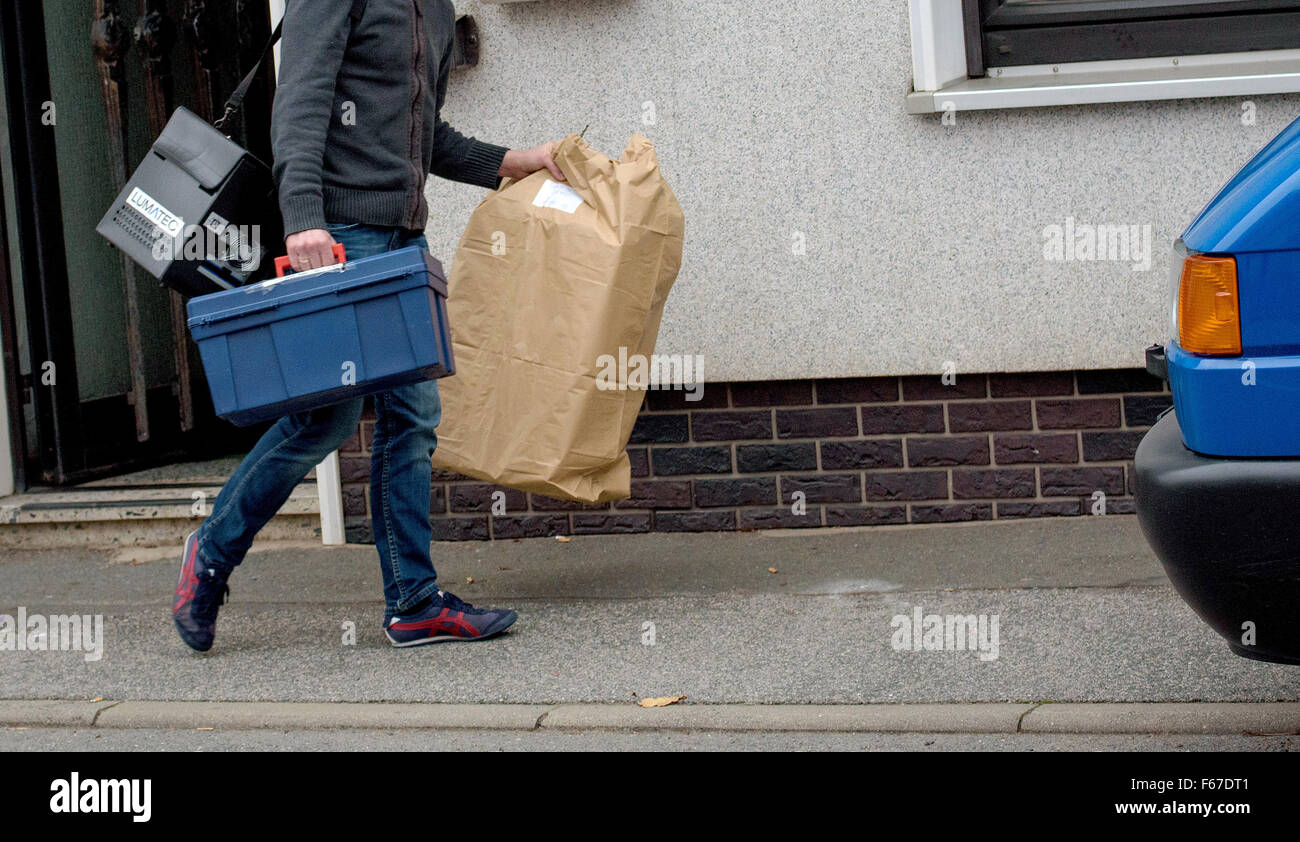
[(199, 213)]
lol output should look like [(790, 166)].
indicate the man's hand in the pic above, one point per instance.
[(519, 163), (310, 249)]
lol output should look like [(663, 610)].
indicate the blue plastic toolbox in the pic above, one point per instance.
[(321, 337)]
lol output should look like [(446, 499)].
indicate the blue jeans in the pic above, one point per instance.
[(400, 468)]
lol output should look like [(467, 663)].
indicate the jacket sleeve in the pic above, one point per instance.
[(455, 156), (311, 53)]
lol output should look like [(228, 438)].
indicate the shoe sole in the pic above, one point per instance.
[(444, 638), (186, 640)]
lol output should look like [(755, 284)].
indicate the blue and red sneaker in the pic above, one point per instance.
[(199, 594), (447, 618)]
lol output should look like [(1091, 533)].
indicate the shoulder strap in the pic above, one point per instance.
[(236, 100)]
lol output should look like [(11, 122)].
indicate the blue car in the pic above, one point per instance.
[(1218, 478)]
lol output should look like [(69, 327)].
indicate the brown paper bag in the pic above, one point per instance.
[(548, 278)]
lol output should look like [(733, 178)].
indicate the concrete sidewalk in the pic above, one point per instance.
[(1085, 616)]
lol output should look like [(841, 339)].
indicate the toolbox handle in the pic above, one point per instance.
[(282, 263)]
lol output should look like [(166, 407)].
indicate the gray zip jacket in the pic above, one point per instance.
[(356, 126)]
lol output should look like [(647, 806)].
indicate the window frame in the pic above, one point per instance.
[(949, 72)]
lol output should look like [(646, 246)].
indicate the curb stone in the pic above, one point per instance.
[(1165, 718), (1274, 718)]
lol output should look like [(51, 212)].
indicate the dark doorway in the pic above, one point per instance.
[(106, 377)]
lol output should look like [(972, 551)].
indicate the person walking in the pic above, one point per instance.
[(356, 130)]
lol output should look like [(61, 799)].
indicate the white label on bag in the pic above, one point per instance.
[(152, 210), (559, 196)]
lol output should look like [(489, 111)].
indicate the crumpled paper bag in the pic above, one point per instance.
[(548, 279)]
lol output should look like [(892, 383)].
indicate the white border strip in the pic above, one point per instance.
[(938, 43), (329, 486), (1029, 95), (277, 14)]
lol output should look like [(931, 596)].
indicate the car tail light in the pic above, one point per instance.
[(1209, 318)]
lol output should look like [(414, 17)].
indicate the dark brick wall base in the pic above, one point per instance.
[(854, 452)]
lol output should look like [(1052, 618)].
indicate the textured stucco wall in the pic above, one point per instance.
[(924, 241)]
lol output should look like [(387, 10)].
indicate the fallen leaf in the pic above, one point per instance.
[(563, 539), (659, 702), (771, 570)]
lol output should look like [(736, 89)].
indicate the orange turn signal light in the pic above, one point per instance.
[(1209, 315)]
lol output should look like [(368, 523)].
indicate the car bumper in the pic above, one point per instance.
[(1228, 534), (1236, 406)]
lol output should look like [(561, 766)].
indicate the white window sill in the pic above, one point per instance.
[(1224, 74)]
